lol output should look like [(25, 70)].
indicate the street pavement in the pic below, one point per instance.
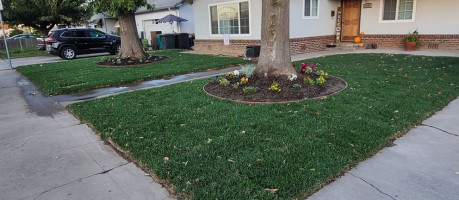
[(46, 153)]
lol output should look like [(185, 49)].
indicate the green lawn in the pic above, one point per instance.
[(218, 149), (26, 52), (83, 74)]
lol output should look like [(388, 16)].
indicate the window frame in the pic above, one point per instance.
[(218, 20), (86, 34), (304, 10), (396, 20)]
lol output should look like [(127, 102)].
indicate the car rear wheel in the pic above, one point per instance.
[(68, 53)]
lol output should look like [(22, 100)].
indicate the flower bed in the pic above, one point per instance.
[(240, 85)]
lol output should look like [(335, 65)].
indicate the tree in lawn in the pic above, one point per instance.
[(275, 60), (44, 14), (131, 46)]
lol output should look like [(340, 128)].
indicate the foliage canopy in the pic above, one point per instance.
[(45, 13), (118, 7)]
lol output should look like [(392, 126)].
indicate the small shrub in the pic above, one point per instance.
[(224, 82), (236, 85), (275, 87), (244, 80), (250, 89), (309, 81), (248, 70), (15, 32), (320, 80), (307, 68), (292, 77), (296, 85)]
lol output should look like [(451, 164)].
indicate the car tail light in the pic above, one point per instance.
[(42, 42), (49, 39)]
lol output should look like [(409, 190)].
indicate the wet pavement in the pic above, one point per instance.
[(104, 92)]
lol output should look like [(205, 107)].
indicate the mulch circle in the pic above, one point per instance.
[(131, 62), (263, 95)]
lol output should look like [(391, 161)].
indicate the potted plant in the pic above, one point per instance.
[(411, 41)]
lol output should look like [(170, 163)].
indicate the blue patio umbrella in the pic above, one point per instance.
[(171, 19)]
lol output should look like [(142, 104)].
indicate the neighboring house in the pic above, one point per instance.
[(148, 26), (103, 22), (314, 24)]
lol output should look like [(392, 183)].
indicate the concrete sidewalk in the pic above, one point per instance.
[(45, 153), (422, 165)]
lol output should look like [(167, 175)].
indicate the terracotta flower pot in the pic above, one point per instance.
[(410, 46)]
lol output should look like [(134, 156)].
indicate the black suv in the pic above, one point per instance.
[(69, 42)]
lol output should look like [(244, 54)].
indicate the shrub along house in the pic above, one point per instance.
[(316, 23)]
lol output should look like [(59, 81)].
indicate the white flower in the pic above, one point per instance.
[(292, 77), (236, 72)]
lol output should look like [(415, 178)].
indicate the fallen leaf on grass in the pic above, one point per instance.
[(229, 160), (165, 159), (259, 160), (406, 76), (271, 190)]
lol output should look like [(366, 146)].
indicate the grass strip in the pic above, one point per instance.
[(84, 74), (218, 149), (25, 52)]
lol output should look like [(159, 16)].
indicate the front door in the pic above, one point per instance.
[(351, 19)]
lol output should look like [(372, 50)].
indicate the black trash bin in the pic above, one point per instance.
[(167, 41), (252, 51), (182, 41)]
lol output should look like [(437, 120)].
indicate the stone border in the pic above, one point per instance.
[(139, 65), (279, 102)]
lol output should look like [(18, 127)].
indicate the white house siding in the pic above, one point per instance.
[(431, 17), (299, 27), (324, 25), (108, 25), (307, 35), (202, 18), (144, 23), (186, 12)]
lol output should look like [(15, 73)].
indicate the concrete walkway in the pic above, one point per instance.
[(422, 165), (45, 153)]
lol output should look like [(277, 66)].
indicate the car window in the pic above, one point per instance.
[(66, 34), (98, 34), (77, 34)]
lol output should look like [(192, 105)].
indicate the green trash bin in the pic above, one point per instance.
[(159, 40)]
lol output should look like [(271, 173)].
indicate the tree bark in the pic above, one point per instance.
[(131, 46), (275, 60), (44, 29)]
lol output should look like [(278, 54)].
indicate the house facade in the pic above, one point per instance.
[(147, 21), (316, 23), (103, 22)]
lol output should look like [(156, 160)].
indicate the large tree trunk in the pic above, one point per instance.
[(44, 30), (275, 60), (131, 46)]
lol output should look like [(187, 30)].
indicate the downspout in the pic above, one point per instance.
[(177, 13)]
